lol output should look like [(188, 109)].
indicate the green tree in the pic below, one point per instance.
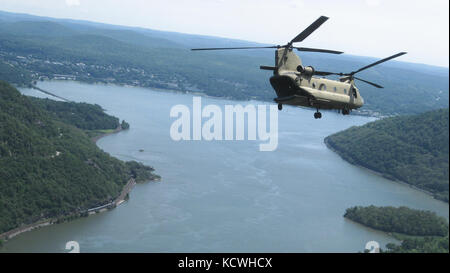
[(413, 149)]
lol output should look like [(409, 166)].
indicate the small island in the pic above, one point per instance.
[(125, 125), (420, 231)]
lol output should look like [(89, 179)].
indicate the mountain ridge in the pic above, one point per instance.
[(412, 149), (158, 59), (48, 167)]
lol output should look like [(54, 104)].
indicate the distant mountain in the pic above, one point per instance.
[(186, 40), (413, 149), (50, 168), (37, 28), (159, 59)]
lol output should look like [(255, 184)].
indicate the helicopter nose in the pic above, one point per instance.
[(361, 102)]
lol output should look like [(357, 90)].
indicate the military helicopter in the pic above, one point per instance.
[(296, 85)]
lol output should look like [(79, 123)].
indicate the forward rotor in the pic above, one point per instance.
[(299, 38)]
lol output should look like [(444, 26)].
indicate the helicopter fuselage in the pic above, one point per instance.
[(315, 92), (302, 89)]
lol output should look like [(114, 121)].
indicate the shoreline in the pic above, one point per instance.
[(7, 235), (380, 174), (97, 138), (196, 93), (47, 222)]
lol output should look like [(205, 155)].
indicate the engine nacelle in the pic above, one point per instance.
[(307, 71)]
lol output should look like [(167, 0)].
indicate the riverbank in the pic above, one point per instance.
[(47, 222), (102, 135), (416, 230), (223, 175), (362, 113), (329, 146)]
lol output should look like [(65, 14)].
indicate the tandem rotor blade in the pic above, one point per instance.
[(305, 33), (378, 62), (265, 67), (299, 38), (307, 49), (227, 48), (371, 83), (324, 73)]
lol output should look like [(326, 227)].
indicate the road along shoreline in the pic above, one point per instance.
[(50, 221), (47, 222)]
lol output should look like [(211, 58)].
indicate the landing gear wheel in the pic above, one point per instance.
[(345, 112), (317, 115), (280, 106)]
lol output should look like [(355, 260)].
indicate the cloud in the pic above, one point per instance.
[(298, 4), (72, 3), (373, 3)]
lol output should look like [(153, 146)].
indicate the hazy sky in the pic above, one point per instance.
[(360, 27)]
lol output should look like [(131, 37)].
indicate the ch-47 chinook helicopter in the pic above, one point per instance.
[(296, 85)]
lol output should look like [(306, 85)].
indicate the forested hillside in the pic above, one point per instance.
[(400, 220), (413, 149), (420, 231), (420, 245), (14, 74), (81, 115), (49, 168), (54, 48)]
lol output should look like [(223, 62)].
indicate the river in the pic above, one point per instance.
[(224, 196)]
